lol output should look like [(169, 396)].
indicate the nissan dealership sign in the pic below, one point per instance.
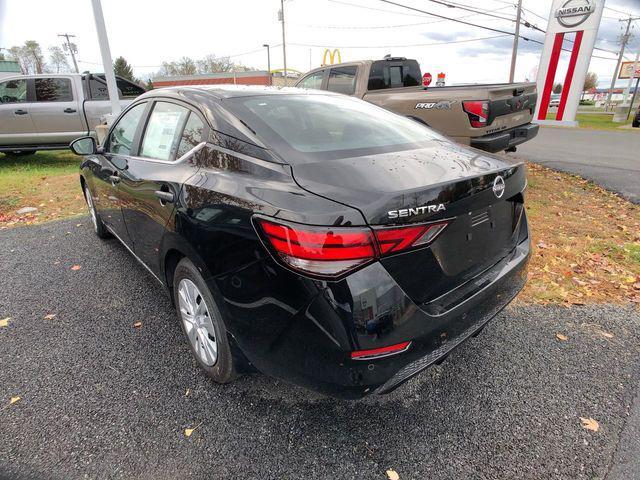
[(577, 22), (574, 12)]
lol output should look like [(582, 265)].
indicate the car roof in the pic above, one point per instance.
[(197, 92)]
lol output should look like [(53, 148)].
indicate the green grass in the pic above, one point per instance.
[(20, 172), (595, 121), (45, 180)]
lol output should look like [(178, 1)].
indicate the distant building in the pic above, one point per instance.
[(258, 77), (9, 68)]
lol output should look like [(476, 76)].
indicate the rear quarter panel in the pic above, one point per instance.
[(441, 107)]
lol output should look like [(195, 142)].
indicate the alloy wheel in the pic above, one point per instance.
[(197, 322)]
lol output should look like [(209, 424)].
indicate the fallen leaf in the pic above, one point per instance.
[(189, 431), (14, 400), (5, 322), (50, 316), (590, 424), (541, 244), (76, 267), (562, 337), (606, 334), (393, 475), (186, 394), (137, 325), (78, 224)]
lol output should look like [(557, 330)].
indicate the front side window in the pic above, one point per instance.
[(13, 91), (53, 90), (191, 136), (327, 126), (313, 81), (122, 135), (342, 80), (162, 134)]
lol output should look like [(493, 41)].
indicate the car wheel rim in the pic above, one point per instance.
[(92, 210), (197, 322)]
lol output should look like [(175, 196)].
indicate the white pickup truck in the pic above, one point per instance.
[(46, 112)]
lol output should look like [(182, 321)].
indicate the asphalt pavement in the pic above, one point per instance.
[(609, 158), (100, 398)]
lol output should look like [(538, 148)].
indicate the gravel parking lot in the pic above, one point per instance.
[(100, 398)]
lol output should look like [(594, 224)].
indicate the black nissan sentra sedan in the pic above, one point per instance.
[(310, 236)]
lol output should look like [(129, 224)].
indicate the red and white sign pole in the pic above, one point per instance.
[(579, 16)]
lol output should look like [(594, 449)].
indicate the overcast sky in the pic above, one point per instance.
[(149, 32)]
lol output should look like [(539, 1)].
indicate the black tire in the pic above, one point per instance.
[(98, 227), (19, 153), (223, 370), (636, 123)]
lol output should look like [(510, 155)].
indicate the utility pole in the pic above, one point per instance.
[(71, 48), (284, 43), (266, 45), (625, 40), (516, 37)]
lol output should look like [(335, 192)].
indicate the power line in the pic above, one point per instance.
[(376, 27), (479, 26), (398, 46), (464, 7)]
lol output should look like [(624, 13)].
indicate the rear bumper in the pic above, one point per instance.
[(303, 331), (496, 142)]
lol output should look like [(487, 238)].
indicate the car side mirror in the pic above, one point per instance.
[(84, 146)]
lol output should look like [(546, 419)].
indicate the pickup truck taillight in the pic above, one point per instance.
[(330, 252), (478, 111)]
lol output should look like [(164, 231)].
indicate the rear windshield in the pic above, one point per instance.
[(394, 74), (327, 126)]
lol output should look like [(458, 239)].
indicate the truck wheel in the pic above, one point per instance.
[(19, 153), (636, 123)]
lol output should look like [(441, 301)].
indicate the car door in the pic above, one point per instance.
[(154, 177), (110, 167), (56, 111), (16, 123)]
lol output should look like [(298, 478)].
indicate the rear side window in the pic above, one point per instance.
[(386, 74), (342, 80), (121, 138), (191, 136), (98, 88), (13, 91), (53, 90), (162, 135), (312, 81)]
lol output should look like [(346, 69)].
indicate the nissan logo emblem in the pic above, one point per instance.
[(574, 12), (498, 186)]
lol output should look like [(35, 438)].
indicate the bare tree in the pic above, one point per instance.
[(19, 55), (35, 53), (58, 60), (590, 81), (557, 88)]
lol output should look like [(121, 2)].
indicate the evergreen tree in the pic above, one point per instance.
[(122, 68)]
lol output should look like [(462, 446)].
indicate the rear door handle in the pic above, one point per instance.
[(165, 197), (21, 112), (69, 110)]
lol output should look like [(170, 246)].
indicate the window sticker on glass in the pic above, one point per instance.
[(160, 137)]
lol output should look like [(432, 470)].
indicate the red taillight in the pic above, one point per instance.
[(380, 352), (333, 251), (393, 240), (326, 251), (478, 112)]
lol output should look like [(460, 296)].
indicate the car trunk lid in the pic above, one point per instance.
[(438, 182)]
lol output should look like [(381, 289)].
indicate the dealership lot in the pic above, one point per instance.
[(609, 158), (102, 398)]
